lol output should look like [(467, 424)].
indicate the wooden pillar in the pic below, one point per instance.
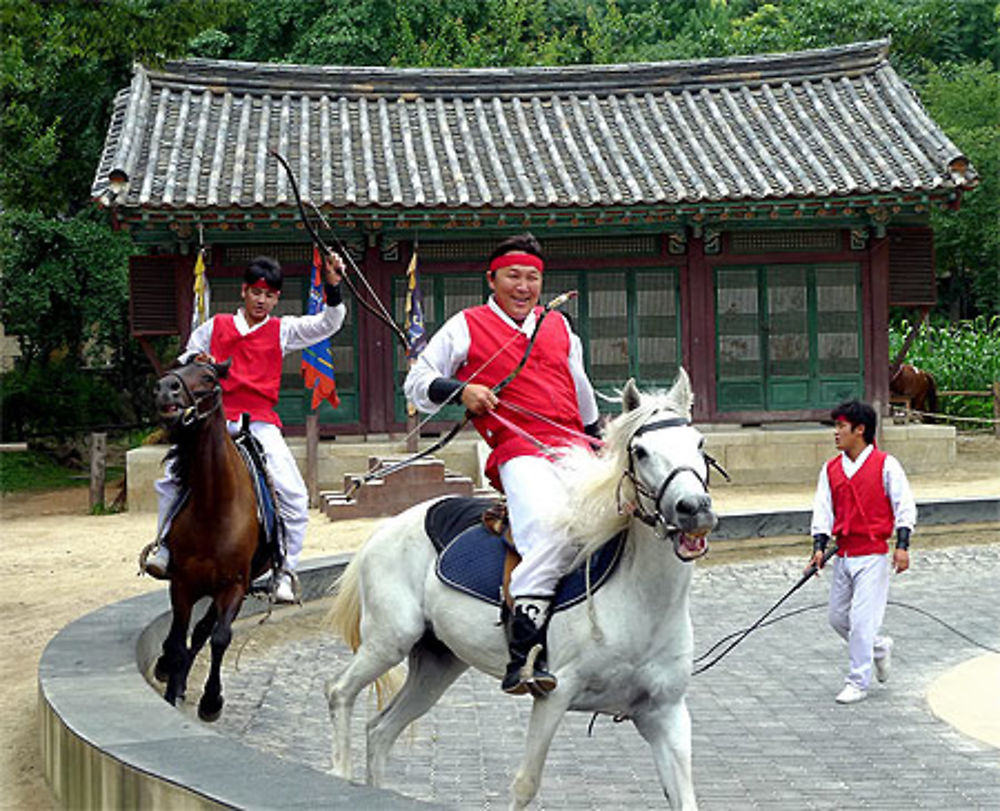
[(698, 324), (996, 407), (876, 329), (312, 458), (98, 469)]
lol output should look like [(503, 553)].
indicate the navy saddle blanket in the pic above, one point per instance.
[(471, 558), (272, 526)]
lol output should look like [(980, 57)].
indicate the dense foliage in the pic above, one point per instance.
[(63, 61), (963, 356)]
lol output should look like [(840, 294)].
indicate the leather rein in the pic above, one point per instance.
[(656, 519)]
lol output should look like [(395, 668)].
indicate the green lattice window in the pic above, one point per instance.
[(788, 337)]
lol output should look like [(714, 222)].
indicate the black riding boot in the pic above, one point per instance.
[(526, 669)]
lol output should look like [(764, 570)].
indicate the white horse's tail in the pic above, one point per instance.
[(344, 619)]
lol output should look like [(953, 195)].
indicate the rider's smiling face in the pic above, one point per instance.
[(516, 289)]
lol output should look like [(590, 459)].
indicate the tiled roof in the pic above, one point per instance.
[(836, 122)]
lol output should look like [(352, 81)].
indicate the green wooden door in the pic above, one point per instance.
[(788, 337)]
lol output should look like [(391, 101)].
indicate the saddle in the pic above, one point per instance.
[(272, 527), (476, 556)]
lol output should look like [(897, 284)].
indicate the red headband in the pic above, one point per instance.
[(262, 282), (508, 259)]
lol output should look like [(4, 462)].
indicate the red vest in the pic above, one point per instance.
[(254, 378), (544, 386), (863, 518)]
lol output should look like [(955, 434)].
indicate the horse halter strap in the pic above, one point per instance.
[(656, 520), (196, 411)]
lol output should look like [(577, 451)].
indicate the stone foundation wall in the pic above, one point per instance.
[(779, 454)]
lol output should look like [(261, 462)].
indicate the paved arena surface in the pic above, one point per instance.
[(767, 732)]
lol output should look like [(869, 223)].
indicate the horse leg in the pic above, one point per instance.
[(546, 713), (383, 647), (432, 669), (227, 606), (202, 630), (175, 662), (667, 729)]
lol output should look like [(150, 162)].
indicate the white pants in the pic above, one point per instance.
[(858, 595), (290, 489), (532, 485)]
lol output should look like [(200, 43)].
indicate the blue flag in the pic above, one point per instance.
[(317, 360), (416, 335)]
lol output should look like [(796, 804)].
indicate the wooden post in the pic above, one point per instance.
[(412, 434), (312, 458), (98, 469), (880, 413), (996, 407)]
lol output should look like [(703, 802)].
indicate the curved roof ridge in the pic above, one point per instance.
[(348, 81)]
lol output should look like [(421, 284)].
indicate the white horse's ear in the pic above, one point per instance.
[(630, 396), (681, 395)]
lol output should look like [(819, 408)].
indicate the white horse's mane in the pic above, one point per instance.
[(591, 513)]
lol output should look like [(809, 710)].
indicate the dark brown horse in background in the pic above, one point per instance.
[(213, 539), (908, 381)]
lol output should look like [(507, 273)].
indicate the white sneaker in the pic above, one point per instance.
[(883, 665), (156, 565), (284, 593), (851, 694)]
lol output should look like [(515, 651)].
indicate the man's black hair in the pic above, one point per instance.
[(520, 243), (857, 413), (266, 268)]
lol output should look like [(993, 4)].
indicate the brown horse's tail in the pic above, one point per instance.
[(344, 619)]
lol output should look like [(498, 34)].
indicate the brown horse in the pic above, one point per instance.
[(918, 385), (213, 539)]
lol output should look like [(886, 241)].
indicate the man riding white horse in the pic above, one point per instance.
[(549, 403)]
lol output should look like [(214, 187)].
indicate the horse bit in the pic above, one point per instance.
[(656, 519), (195, 412)]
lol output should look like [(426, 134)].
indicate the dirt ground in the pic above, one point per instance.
[(58, 563)]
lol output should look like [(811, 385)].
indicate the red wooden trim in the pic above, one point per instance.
[(876, 329), (699, 323)]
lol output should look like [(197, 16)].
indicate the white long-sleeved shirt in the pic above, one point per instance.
[(897, 487), (297, 331), (449, 347)]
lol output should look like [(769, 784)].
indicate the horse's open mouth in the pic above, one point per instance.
[(168, 412), (690, 546)]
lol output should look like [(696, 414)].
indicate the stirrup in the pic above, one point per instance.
[(527, 677)]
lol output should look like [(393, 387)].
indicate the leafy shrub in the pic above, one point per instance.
[(961, 357), (58, 399)]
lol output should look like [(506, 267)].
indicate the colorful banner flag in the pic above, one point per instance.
[(317, 360), (202, 293), (416, 335)]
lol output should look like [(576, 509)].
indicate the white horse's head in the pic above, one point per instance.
[(667, 467)]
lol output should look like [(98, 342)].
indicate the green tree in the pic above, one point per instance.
[(964, 99), (64, 271)]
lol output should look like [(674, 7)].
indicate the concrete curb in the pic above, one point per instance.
[(765, 524), (110, 741)]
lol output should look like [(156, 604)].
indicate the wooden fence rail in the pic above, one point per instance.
[(993, 392)]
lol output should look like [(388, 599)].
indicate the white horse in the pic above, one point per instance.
[(626, 652)]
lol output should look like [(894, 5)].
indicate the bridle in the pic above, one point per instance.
[(656, 519), (198, 410)]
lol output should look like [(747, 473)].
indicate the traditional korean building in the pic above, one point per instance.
[(752, 218)]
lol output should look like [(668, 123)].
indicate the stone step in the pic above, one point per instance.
[(424, 479)]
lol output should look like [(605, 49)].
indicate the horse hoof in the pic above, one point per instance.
[(160, 672), (207, 713)]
